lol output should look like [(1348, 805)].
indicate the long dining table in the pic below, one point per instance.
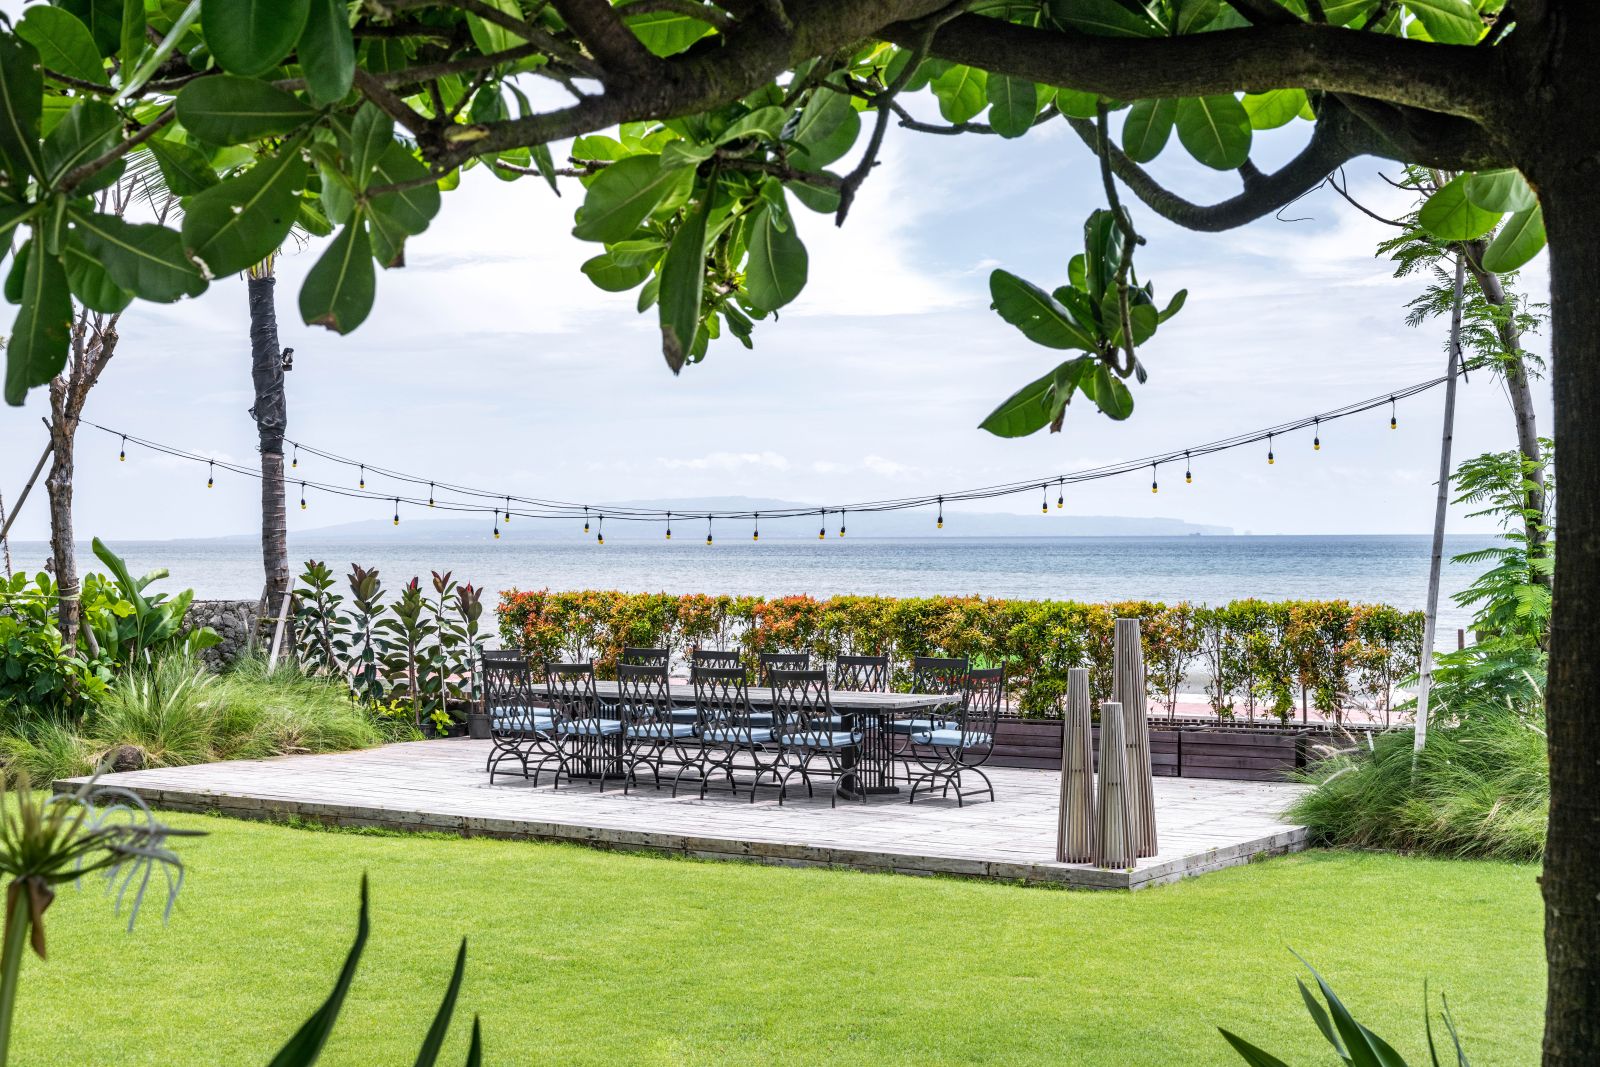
[(874, 771)]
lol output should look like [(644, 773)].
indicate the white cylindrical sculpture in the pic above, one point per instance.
[(1128, 689), (1075, 823), (1113, 844)]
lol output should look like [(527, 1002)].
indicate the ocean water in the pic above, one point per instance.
[(1213, 570)]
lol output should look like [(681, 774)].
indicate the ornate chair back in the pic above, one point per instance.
[(722, 704), (788, 661), (863, 674), (644, 695), (715, 657), (939, 674), (802, 710), (643, 657), (571, 690), (980, 712)]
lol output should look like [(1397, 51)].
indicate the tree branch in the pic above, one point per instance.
[(374, 89), (608, 38)]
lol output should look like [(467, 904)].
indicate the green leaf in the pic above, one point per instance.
[(327, 52), (21, 100), (1250, 1053), (614, 277), (1037, 314), (36, 350), (1517, 242), (1102, 243), (624, 194), (64, 42), (1500, 190), (546, 164), (491, 37), (236, 223), (1174, 306), (227, 109), (1278, 107), (306, 1045), (824, 130), (339, 289), (1108, 392), (1104, 18), (1195, 15), (132, 42), (428, 1055), (1215, 130), (411, 210), (89, 281), (1448, 21), (103, 19), (776, 271), (251, 37), (87, 131), (666, 33), (816, 197), (763, 121), (1013, 104), (1450, 216), (1024, 412), (962, 93), (683, 274), (1077, 105), (686, 154), (144, 258), (1149, 124), (371, 132), (184, 168)]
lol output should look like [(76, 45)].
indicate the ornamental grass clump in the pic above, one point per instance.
[(1480, 788)]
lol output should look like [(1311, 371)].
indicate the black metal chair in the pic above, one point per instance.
[(807, 730), (520, 727), (787, 661), (714, 659), (649, 732), (929, 674), (727, 727), (947, 755), (586, 738), (861, 674), (644, 657)]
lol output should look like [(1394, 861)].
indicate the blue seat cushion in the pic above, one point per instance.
[(522, 719), (921, 726), (953, 739), (688, 715), (592, 727), (817, 739), (661, 731), (738, 735)]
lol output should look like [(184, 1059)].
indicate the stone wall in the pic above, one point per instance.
[(234, 620)]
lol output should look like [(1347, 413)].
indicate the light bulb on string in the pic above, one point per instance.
[(1316, 435), (841, 524), (122, 456), (600, 536), (211, 473), (708, 529), (294, 464), (302, 496), (1154, 488), (669, 526), (755, 529), (430, 494), (1394, 423), (939, 524), (822, 530), (508, 509), (586, 518), (363, 483), (1044, 500), (1188, 469), (397, 511), (496, 515), (1270, 458), (1061, 494)]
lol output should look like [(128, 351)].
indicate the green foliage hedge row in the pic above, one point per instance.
[(1263, 657)]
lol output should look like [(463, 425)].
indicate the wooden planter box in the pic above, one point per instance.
[(1236, 754)]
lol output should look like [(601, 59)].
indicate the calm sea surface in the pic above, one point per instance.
[(1212, 570)]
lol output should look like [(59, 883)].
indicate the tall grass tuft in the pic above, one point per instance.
[(1481, 788), (43, 750), (264, 711), (168, 710)]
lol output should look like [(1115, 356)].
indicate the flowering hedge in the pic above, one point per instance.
[(1263, 657)]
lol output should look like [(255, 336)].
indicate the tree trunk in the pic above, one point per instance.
[(58, 483), (271, 415), (1571, 878)]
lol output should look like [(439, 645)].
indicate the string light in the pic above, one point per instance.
[(1316, 440), (122, 456), (669, 526), (586, 518), (600, 536), (302, 496), (1061, 495), (1394, 423), (294, 464), (397, 511), (508, 509), (1044, 499), (1188, 470), (1270, 458), (211, 473), (822, 531), (755, 530), (430, 494), (841, 523), (939, 525), (363, 484), (708, 529), (496, 525), (1154, 488)]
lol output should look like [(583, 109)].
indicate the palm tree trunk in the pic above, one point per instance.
[(271, 415)]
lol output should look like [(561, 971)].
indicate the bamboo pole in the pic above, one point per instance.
[(1075, 824), (26, 489), (1129, 687), (1441, 505), (1113, 846), (277, 632)]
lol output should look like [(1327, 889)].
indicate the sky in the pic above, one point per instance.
[(491, 360)]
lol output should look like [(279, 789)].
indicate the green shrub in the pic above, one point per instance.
[(37, 674), (168, 711), (1480, 787), (262, 712), (43, 750)]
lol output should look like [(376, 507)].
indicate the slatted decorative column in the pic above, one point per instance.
[(1128, 689), (1113, 845), (1075, 823)]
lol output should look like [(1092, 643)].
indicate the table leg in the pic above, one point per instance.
[(873, 770)]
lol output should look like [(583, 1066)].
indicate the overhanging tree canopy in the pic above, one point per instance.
[(352, 119)]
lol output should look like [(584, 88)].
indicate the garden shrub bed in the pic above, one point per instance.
[(1263, 658)]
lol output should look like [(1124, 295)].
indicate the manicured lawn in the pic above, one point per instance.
[(578, 956)]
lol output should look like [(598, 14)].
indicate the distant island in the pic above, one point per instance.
[(917, 522)]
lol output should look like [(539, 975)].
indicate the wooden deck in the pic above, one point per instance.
[(440, 785)]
